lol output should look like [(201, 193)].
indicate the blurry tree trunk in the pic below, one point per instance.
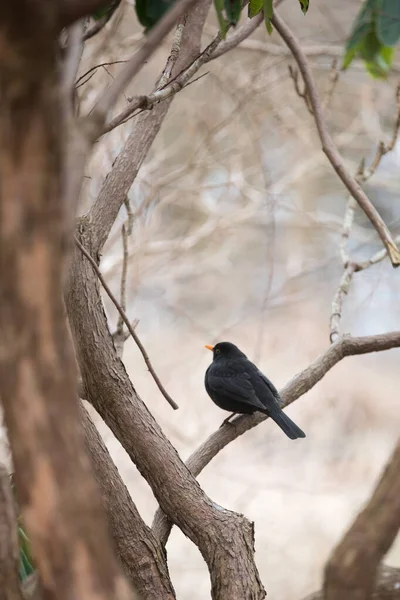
[(387, 585), (56, 490), (9, 551), (351, 570)]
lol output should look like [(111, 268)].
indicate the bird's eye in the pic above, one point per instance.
[(218, 351)]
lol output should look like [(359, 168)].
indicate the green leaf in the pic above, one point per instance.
[(304, 5), (380, 67), (254, 7), (268, 14), (233, 9), (223, 25), (149, 12), (388, 21), (363, 24)]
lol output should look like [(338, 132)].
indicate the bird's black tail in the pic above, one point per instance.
[(287, 425)]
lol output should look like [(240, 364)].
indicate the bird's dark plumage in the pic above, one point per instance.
[(234, 383)]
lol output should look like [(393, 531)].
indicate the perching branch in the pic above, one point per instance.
[(128, 325), (329, 146), (351, 570), (298, 386)]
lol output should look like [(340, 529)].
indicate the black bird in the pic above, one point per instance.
[(235, 384)]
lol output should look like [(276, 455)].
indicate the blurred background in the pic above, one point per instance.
[(236, 232)]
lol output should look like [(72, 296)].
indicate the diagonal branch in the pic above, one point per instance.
[(128, 325), (298, 386), (139, 553), (123, 173), (329, 146), (352, 568), (225, 539)]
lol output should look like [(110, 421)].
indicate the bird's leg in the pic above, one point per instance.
[(228, 420)]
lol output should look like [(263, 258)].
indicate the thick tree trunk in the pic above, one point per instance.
[(55, 486)]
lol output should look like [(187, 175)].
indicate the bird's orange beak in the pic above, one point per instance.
[(209, 347)]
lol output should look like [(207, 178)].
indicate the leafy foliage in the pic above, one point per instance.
[(375, 32), (150, 11)]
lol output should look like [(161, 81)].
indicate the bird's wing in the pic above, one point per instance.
[(270, 385), (237, 386)]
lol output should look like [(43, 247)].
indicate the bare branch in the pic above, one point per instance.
[(176, 85), (174, 55), (329, 146), (151, 43), (238, 35), (139, 553), (298, 386), (119, 181), (128, 325), (9, 549), (337, 303), (227, 542), (352, 567)]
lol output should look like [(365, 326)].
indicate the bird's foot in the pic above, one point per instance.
[(227, 421)]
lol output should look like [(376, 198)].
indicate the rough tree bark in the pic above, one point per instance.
[(139, 552), (351, 570), (9, 551), (55, 486)]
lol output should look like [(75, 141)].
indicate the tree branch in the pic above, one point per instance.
[(9, 549), (225, 539), (151, 43), (351, 570), (119, 181), (139, 552), (298, 386), (328, 145)]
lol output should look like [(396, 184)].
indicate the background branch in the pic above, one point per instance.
[(351, 570), (329, 146)]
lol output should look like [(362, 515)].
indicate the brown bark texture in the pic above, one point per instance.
[(351, 571), (140, 553), (56, 490), (225, 539), (9, 550)]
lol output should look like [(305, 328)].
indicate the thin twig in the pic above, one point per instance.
[(329, 146), (176, 85), (337, 303), (128, 325), (174, 55), (104, 64), (294, 74), (332, 81), (150, 44), (352, 267), (238, 35)]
